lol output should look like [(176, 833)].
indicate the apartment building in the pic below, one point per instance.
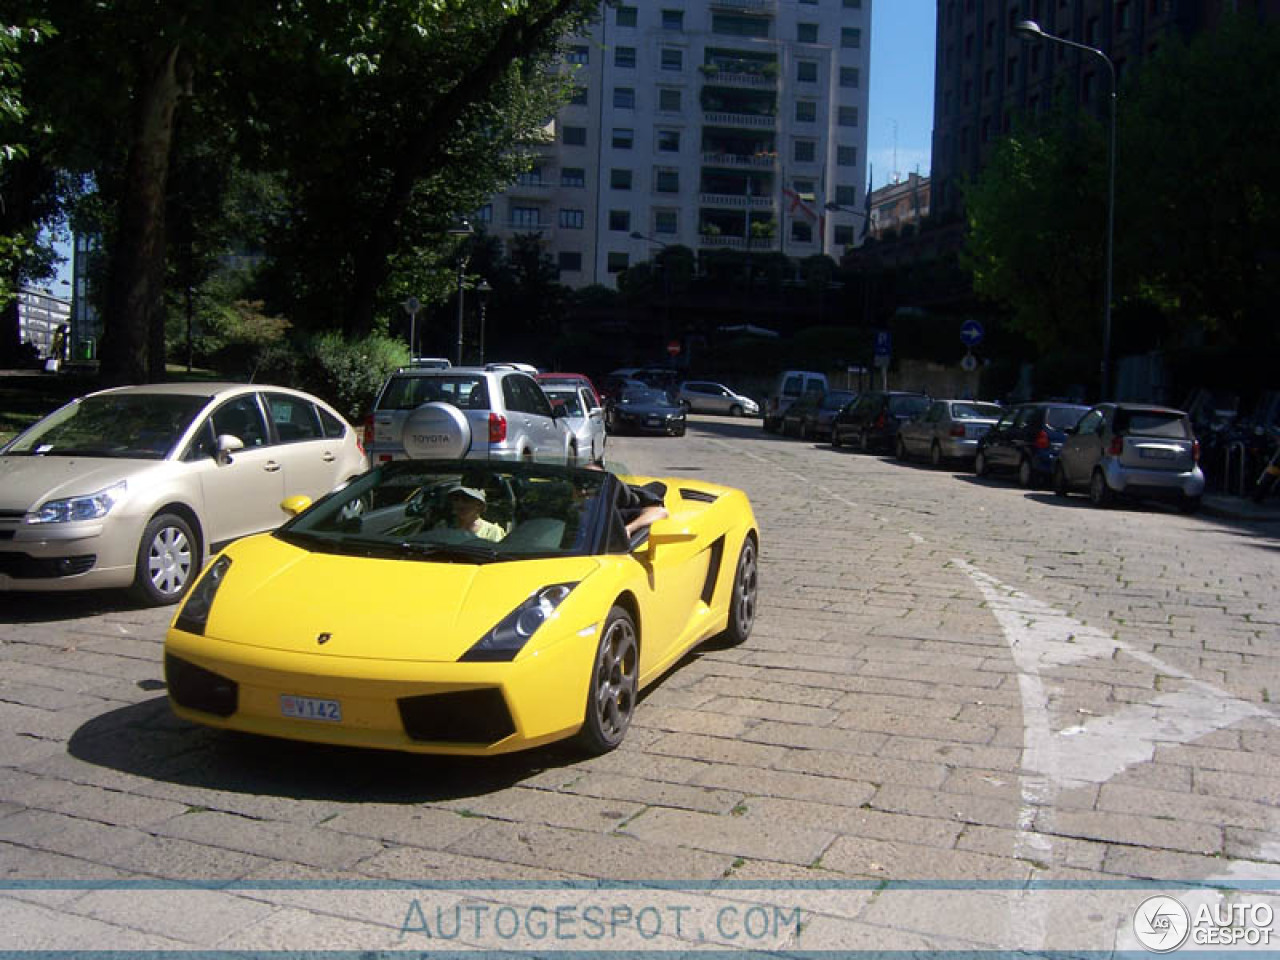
[(986, 74), (716, 124)]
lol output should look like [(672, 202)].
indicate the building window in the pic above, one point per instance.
[(806, 33), (623, 138), (526, 217), (850, 77), (851, 37), (804, 151), (804, 189), (844, 236), (578, 54), (574, 136), (801, 231), (672, 19), (669, 100), (483, 214), (1091, 32), (855, 5), (669, 141), (847, 117), (806, 111), (620, 179), (846, 196), (664, 221), (988, 81), (624, 56), (579, 97), (530, 177), (569, 261), (620, 220), (624, 98), (672, 58), (807, 71), (626, 17), (617, 262), (573, 177), (735, 25), (1124, 15), (846, 156), (572, 219), (666, 181)]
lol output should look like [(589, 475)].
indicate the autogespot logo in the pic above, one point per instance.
[(1161, 924)]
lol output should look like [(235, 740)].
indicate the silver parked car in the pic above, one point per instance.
[(136, 486), (703, 396), (1132, 450), (946, 430), (582, 418), (495, 412)]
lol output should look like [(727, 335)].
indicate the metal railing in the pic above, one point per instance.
[(759, 161), (740, 119), (738, 200)]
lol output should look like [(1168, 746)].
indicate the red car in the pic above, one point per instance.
[(570, 380)]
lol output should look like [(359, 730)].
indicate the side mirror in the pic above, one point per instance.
[(669, 531), (295, 505), (227, 445)]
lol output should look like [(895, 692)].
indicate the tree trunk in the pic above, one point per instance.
[(431, 132), (133, 318)]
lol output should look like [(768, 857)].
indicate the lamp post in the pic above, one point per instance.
[(1030, 30), (482, 298), (666, 284), (463, 229)]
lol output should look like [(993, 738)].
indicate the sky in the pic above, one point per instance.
[(903, 37)]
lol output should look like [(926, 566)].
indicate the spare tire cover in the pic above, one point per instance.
[(436, 431)]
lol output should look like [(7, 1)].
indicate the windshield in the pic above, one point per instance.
[(137, 426), (1062, 418), (975, 411), (639, 395), (455, 512)]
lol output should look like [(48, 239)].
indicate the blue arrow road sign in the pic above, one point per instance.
[(884, 343), (971, 333)]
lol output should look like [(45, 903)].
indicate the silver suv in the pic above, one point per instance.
[(474, 413)]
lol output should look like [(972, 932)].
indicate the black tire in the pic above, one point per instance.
[(835, 438), (1026, 474), (735, 410), (742, 602), (935, 455), (805, 433), (864, 441), (611, 696), (1100, 494), (168, 560), (980, 466), (573, 454), (1059, 480), (900, 449), (680, 430)]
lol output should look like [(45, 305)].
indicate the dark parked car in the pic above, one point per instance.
[(1132, 450), (871, 422), (641, 409), (1026, 439), (811, 415)]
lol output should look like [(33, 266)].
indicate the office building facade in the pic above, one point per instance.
[(716, 124)]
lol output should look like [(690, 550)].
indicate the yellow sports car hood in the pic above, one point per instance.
[(281, 597)]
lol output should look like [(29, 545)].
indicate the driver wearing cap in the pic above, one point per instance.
[(468, 504)]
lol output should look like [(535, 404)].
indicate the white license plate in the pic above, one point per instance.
[(653, 421), (1156, 453), (309, 708)]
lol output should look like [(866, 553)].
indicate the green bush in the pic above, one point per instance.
[(349, 373)]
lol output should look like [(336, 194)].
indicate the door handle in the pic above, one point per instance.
[(271, 466), (328, 457)]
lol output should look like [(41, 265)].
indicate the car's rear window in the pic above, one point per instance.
[(1153, 423), (975, 411), (408, 392), (1060, 418), (907, 405)]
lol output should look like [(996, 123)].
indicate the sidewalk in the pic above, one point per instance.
[(1227, 507)]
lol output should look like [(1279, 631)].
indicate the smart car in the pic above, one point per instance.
[(372, 619)]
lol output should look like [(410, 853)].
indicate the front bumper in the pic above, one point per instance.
[(87, 555), (474, 709), (641, 423)]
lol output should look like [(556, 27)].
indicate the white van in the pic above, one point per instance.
[(789, 387)]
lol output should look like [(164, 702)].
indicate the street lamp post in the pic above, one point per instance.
[(482, 298), (1030, 30), (463, 229)]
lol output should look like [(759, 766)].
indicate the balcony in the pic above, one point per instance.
[(750, 161), (737, 201), (728, 77), (746, 6), (725, 241), (755, 121), (529, 188)]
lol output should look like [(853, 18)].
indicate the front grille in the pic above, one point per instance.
[(199, 689), (23, 566), (465, 716)]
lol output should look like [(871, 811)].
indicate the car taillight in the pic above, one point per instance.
[(956, 430), (1195, 451), (368, 433), (497, 428), (880, 422), (1117, 446), (1042, 440)]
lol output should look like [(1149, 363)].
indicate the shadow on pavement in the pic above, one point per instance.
[(53, 607)]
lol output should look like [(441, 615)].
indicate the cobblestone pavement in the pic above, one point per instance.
[(950, 679)]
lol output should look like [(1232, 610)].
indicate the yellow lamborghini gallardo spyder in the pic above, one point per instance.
[(463, 607)]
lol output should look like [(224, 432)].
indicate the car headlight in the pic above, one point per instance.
[(508, 638), (194, 615), (93, 506)]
